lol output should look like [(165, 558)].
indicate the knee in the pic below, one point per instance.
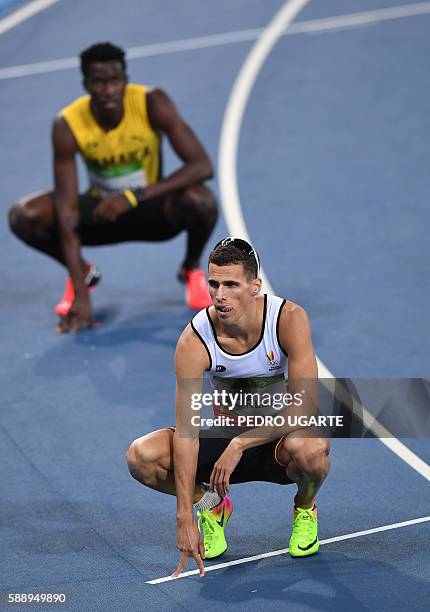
[(309, 455), (142, 461), (201, 201), (22, 221), (16, 219)]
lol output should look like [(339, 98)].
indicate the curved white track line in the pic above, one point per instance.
[(227, 159), (230, 201)]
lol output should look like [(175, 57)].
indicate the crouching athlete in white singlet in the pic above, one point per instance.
[(245, 337)]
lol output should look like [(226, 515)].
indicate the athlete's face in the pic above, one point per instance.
[(231, 290), (106, 83)]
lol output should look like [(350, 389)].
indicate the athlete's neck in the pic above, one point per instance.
[(108, 119), (248, 327)]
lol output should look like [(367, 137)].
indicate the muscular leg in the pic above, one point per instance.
[(150, 461), (32, 219), (307, 463), (195, 210)]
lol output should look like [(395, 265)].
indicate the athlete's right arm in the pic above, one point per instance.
[(66, 204), (191, 361)]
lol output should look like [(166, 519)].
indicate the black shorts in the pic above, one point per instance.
[(257, 463), (147, 222)]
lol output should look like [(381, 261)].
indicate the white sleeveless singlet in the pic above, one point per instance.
[(263, 366), (266, 358)]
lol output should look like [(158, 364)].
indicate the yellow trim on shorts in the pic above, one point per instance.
[(275, 452)]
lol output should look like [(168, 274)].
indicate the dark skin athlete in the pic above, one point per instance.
[(106, 82)]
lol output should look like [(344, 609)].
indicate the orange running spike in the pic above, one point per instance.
[(196, 289)]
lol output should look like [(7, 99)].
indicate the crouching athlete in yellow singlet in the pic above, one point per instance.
[(117, 129)]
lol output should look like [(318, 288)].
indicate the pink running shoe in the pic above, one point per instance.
[(196, 289), (92, 278)]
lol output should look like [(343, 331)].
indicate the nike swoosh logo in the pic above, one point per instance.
[(309, 545), (221, 522)]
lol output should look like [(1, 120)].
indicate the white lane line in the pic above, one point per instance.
[(229, 140), (229, 191), (392, 443), (283, 551), (372, 424), (174, 46), (216, 40), (359, 19), (24, 13)]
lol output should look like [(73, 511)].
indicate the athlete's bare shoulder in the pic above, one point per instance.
[(191, 358), (63, 141), (187, 339), (291, 310), (294, 326), (162, 111)]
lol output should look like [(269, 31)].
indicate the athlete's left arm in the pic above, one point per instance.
[(295, 338), (165, 118)]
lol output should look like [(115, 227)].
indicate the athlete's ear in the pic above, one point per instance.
[(257, 286), (85, 84)]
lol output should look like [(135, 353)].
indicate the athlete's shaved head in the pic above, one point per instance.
[(236, 251), (101, 52)]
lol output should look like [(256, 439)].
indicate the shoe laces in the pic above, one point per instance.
[(303, 523)]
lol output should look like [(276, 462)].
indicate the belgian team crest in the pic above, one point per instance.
[(272, 362)]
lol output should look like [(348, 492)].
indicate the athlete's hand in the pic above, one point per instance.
[(110, 208), (190, 543), (224, 467), (79, 316)]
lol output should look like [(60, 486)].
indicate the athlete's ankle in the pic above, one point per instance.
[(208, 499), (190, 264), (305, 506)]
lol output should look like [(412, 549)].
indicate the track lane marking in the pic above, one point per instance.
[(24, 13), (313, 26), (230, 200), (283, 551)]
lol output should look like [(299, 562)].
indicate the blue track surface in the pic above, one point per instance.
[(7, 6), (333, 177)]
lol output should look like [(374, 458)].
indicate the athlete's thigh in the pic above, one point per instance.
[(210, 450), (261, 463), (93, 232), (257, 464), (156, 447), (38, 207), (148, 222)]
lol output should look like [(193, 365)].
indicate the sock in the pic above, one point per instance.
[(92, 275), (300, 508), (208, 500)]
